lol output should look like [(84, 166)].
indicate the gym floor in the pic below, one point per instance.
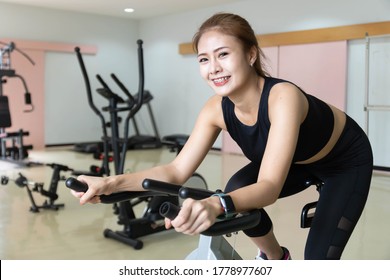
[(75, 232)]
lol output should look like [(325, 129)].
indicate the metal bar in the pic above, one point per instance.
[(377, 108), (381, 168), (367, 106), (378, 36), (367, 78)]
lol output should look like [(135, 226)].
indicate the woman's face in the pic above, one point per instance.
[(223, 63)]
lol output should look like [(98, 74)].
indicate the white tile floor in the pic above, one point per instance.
[(76, 232)]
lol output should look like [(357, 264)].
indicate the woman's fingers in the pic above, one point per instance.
[(194, 217)]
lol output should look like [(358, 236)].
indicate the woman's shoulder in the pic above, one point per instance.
[(285, 87), (212, 110), (276, 84), (279, 88), (287, 97), (214, 101)]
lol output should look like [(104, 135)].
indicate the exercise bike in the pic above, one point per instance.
[(212, 244)]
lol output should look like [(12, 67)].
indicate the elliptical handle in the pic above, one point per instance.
[(138, 103), (88, 89), (123, 88), (141, 81), (102, 82)]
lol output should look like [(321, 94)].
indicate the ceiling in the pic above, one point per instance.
[(143, 8)]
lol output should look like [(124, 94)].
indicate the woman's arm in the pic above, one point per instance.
[(203, 136), (287, 109)]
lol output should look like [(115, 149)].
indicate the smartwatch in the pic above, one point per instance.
[(227, 205)]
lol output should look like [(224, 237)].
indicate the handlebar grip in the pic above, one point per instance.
[(159, 186), (79, 186), (243, 221), (76, 185), (169, 210), (27, 98), (186, 192)]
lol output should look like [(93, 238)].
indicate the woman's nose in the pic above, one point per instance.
[(215, 68)]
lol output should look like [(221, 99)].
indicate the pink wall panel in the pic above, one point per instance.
[(271, 62), (319, 69)]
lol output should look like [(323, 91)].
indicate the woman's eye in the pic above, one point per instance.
[(202, 60), (223, 54)]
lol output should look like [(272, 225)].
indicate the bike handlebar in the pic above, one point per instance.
[(78, 186), (158, 188), (241, 222)]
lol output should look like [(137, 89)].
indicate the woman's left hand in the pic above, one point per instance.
[(196, 216)]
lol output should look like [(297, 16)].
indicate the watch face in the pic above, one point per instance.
[(228, 205)]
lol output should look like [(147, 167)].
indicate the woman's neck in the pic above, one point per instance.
[(246, 103)]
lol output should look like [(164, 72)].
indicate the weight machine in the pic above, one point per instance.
[(18, 151)]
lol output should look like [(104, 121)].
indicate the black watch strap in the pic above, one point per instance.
[(227, 205)]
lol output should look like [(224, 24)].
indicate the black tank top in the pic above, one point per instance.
[(314, 133)]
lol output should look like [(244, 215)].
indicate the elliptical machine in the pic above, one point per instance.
[(150, 222)]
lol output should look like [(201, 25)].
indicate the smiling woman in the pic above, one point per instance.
[(288, 136)]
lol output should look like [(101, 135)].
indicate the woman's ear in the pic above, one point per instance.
[(252, 55)]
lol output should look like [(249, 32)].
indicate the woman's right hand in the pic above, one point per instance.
[(96, 187)]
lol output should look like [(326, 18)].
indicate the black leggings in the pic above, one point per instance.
[(346, 172)]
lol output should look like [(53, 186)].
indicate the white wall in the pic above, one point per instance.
[(173, 79), (68, 118)]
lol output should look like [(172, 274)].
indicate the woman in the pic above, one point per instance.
[(287, 135)]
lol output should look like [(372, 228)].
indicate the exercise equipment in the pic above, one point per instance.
[(133, 104), (18, 151), (137, 227), (116, 104), (51, 193), (133, 227), (142, 141), (308, 210), (212, 244)]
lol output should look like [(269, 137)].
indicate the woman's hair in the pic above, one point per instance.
[(238, 27)]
